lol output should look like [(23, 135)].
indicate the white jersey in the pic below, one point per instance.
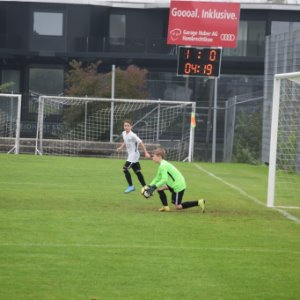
[(132, 142)]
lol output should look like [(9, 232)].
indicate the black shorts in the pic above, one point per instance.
[(136, 167), (176, 196)]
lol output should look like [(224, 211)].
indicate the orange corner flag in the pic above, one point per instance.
[(193, 120)]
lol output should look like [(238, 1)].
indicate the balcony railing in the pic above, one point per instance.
[(158, 46), (138, 46)]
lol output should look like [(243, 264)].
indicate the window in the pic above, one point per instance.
[(48, 23), (117, 29), (250, 40), (282, 27), (46, 81), (256, 38)]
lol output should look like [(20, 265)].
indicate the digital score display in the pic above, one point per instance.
[(205, 62)]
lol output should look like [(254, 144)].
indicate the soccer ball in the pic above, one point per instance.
[(144, 192)]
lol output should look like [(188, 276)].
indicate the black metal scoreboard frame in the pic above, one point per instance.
[(199, 62)]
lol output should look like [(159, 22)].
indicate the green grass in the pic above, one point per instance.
[(67, 231), (287, 188)]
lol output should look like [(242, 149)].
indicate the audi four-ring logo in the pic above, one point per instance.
[(229, 37)]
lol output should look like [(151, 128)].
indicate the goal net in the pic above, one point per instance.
[(284, 160), (81, 126), (10, 122)]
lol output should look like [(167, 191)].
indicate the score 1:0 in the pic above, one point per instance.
[(212, 55)]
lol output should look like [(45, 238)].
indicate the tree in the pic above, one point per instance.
[(84, 81), (248, 137), (6, 86), (87, 81), (130, 83)]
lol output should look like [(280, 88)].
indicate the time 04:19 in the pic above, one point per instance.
[(206, 69)]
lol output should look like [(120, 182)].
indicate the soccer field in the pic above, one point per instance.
[(68, 231)]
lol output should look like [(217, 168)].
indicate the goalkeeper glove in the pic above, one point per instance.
[(151, 189)]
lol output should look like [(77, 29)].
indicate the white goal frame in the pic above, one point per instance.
[(274, 135), (114, 111), (10, 117)]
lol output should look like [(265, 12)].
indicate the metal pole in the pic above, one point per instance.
[(215, 122), (113, 75), (158, 121), (85, 120), (11, 117), (18, 127), (273, 142)]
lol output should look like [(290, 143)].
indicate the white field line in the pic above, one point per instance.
[(287, 207), (245, 194), (148, 247)]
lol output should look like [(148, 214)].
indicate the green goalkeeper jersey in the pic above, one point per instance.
[(167, 174)]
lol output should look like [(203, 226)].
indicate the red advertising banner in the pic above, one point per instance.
[(207, 24)]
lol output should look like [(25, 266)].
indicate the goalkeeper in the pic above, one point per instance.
[(170, 178)]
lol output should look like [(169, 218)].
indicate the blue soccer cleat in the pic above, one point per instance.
[(129, 189)]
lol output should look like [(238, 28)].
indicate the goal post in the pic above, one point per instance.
[(83, 126), (284, 155), (10, 122)]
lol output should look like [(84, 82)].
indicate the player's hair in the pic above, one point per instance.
[(129, 121), (159, 152)]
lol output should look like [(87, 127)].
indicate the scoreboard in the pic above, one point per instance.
[(203, 62)]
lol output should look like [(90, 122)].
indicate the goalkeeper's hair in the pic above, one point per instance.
[(159, 152)]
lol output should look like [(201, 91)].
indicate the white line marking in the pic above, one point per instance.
[(242, 192), (150, 247), (288, 207)]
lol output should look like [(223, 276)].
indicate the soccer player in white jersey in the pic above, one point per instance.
[(132, 143)]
